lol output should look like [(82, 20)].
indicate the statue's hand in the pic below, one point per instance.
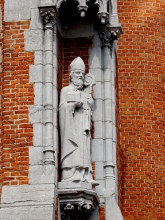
[(78, 104)]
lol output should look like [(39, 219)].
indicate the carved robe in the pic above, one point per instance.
[(75, 129)]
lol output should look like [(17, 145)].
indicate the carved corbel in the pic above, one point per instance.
[(77, 203), (49, 16), (109, 34)]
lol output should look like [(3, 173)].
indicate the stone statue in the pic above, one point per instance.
[(75, 123)]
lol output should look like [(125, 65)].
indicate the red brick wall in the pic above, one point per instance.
[(141, 67), (1, 84), (73, 48), (16, 98)]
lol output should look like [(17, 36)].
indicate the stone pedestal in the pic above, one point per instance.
[(77, 200)]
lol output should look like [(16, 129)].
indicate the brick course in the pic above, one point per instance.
[(141, 55)]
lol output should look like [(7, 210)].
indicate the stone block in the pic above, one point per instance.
[(33, 40), (97, 150), (38, 91), (107, 90), (38, 134), (100, 189), (28, 212), (17, 10), (108, 110), (98, 129), (97, 73), (35, 155), (108, 130), (38, 58), (113, 212), (99, 170), (98, 110), (23, 195), (98, 91), (35, 115), (95, 58), (36, 22), (107, 75), (41, 174), (36, 74), (48, 73)]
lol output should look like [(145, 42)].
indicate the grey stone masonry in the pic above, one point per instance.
[(27, 202)]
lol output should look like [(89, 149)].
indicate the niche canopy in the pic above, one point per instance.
[(82, 8)]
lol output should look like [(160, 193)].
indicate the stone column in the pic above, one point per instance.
[(109, 125), (48, 14)]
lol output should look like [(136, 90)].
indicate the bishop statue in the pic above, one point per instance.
[(76, 104)]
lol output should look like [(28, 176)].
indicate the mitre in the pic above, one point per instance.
[(77, 64)]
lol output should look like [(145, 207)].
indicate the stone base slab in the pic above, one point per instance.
[(25, 202)]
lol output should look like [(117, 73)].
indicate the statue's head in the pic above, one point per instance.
[(77, 73)]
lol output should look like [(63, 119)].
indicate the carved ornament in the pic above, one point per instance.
[(77, 202), (109, 34), (49, 16), (82, 8)]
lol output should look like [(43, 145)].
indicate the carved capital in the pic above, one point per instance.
[(105, 38), (49, 16), (108, 34)]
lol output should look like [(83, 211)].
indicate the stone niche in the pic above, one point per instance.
[(98, 21), (79, 199)]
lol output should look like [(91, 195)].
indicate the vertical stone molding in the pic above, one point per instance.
[(108, 37), (48, 15)]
